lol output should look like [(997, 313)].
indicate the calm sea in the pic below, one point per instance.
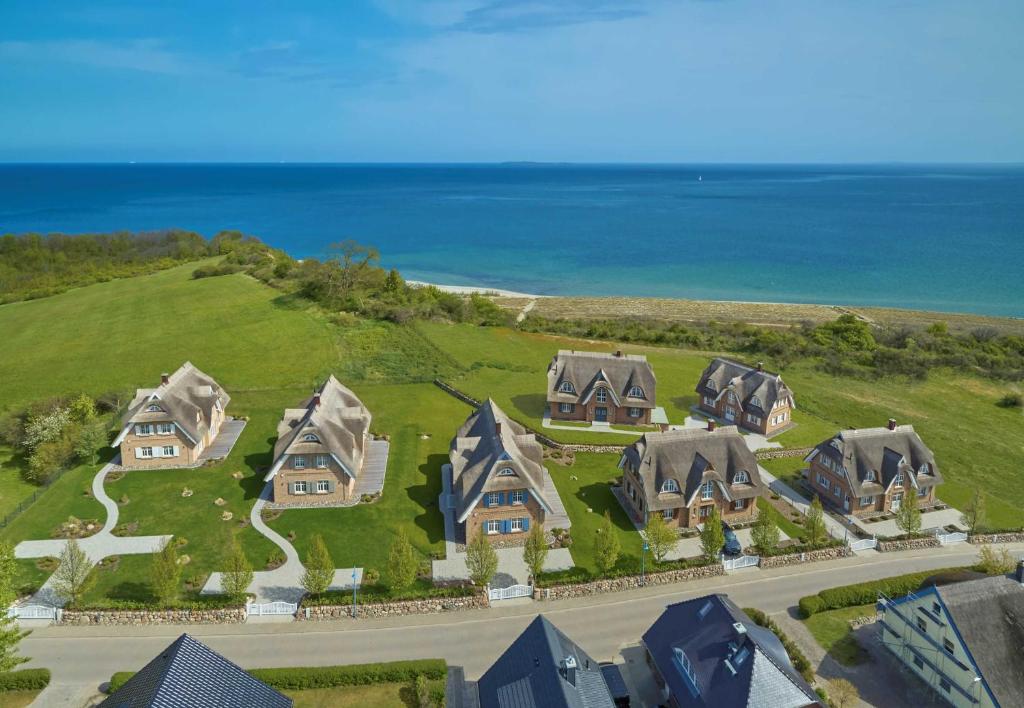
[(928, 237)]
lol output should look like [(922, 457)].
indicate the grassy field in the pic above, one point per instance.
[(381, 695), (832, 631), (13, 489)]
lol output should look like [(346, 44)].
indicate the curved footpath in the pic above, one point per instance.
[(83, 657)]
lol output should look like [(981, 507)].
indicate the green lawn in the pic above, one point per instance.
[(17, 699), (785, 525), (832, 631), (13, 489), (381, 695)]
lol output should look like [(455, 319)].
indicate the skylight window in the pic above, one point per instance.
[(704, 610)]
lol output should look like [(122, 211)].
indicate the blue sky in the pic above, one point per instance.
[(493, 80)]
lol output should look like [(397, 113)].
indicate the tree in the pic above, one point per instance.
[(165, 574), (842, 693), (765, 533), (319, 567), (402, 563), (712, 537), (10, 634), (974, 516), (815, 523), (606, 545), (235, 580), (92, 436), (908, 516), (661, 539), (74, 574), (481, 560), (535, 551)]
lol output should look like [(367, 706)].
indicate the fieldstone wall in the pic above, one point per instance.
[(628, 582), (222, 615), (777, 452), (985, 538), (819, 554), (908, 544), (427, 606)]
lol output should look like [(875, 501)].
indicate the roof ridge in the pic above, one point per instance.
[(602, 355)]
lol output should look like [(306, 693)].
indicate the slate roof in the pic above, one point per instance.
[(188, 674), (487, 442), (989, 615), (339, 421), (882, 452), (188, 391), (691, 457), (734, 661), (746, 382), (584, 370), (531, 673)]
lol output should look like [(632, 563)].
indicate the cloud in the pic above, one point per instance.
[(500, 16), (145, 55)]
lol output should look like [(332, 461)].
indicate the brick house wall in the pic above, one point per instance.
[(684, 516), (851, 504), (504, 511), (183, 451), (617, 415), (339, 485), (776, 419)]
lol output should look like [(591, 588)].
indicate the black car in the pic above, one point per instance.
[(732, 545)]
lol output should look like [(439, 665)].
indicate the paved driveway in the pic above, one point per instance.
[(929, 520)]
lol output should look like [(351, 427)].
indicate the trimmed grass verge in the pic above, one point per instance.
[(831, 629), (24, 680)]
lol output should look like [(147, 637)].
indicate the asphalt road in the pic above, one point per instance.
[(83, 657)]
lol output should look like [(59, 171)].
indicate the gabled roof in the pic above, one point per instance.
[(734, 662), (746, 382), (532, 673), (884, 453), (691, 457), (337, 421), (188, 674), (584, 370), (989, 617), (187, 392), (487, 442)]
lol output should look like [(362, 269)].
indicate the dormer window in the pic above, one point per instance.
[(755, 401), (506, 472), (707, 490), (710, 385), (686, 669), (567, 387), (670, 485), (869, 476), (732, 397), (925, 469), (635, 392), (309, 437), (602, 395), (898, 481), (155, 409), (741, 477)]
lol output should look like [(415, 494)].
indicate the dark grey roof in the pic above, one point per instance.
[(488, 441), (188, 674), (585, 370), (881, 452), (692, 457), (756, 390), (188, 392), (734, 661), (531, 673), (340, 423), (989, 615)]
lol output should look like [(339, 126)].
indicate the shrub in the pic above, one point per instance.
[(865, 593), (369, 594), (24, 680), (119, 679), (297, 679), (995, 562), (1011, 400)]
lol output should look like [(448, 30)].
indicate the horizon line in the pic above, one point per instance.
[(513, 163)]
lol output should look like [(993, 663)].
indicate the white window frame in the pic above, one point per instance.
[(670, 485), (636, 392), (634, 413), (154, 408), (493, 499), (506, 472), (753, 419), (517, 497), (755, 401), (739, 504), (298, 462), (865, 501), (144, 429), (741, 477), (301, 487), (709, 401), (515, 525), (707, 491), (704, 512), (309, 437), (898, 480), (320, 461), (566, 407), (710, 385), (492, 526), (323, 486), (168, 450), (731, 398), (146, 452), (837, 492), (566, 387), (602, 395), (668, 514)]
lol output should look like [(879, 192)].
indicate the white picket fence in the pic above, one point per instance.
[(947, 538), (255, 609), (509, 592), (34, 612), (864, 544), (740, 562)]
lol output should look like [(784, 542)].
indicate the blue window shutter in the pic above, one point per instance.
[(504, 526), (501, 498), (526, 524)]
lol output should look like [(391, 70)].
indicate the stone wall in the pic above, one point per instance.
[(1009, 537), (400, 608), (909, 544), (820, 554), (629, 582), (776, 453), (223, 615)]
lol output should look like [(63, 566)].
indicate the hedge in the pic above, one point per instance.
[(25, 680), (379, 593), (302, 678), (800, 662), (205, 602), (867, 592)]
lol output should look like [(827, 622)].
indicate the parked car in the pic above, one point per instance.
[(732, 545)]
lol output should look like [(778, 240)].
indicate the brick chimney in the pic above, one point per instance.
[(165, 378), (760, 366), (711, 425), (497, 428), (618, 352), (316, 399), (892, 424)]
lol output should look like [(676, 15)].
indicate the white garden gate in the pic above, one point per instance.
[(864, 544), (947, 538), (740, 562), (47, 612), (509, 592), (255, 609)]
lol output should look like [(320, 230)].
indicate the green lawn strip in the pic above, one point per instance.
[(18, 699), (785, 525), (29, 577), (21, 687), (787, 469), (71, 495), (384, 695), (831, 629), (13, 488), (590, 490)]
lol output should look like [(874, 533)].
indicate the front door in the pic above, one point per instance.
[(600, 414), (897, 501)]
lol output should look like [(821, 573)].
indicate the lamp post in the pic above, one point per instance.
[(355, 608), (643, 553)]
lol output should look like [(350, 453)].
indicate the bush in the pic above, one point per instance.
[(119, 679), (25, 680), (202, 602), (865, 593), (1011, 400), (800, 662), (369, 594)]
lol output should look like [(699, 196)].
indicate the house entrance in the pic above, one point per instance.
[(601, 414)]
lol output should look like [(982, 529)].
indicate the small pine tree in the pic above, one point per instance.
[(10, 634), (73, 576), (908, 516), (535, 551), (712, 537), (165, 574), (661, 539), (402, 563), (236, 579), (481, 560), (606, 545), (319, 567), (974, 516), (815, 523), (765, 533)]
